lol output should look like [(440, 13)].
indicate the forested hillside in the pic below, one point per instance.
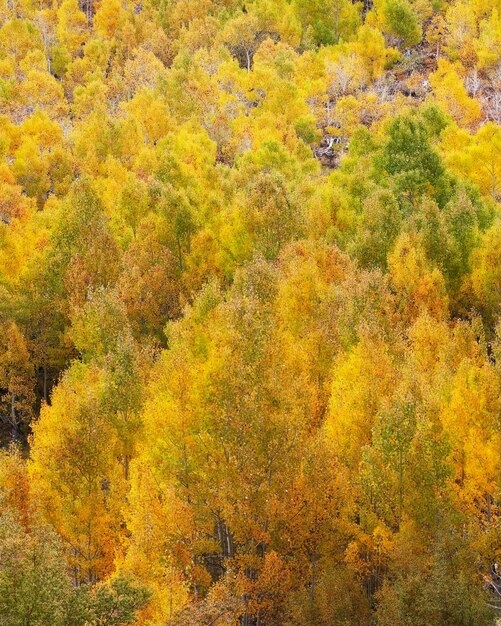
[(250, 312)]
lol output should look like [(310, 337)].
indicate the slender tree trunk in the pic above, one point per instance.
[(401, 486), (180, 254), (170, 599), (313, 581), (45, 383), (13, 418)]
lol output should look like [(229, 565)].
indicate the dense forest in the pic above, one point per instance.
[(250, 312)]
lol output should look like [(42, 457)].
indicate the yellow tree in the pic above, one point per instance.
[(75, 479), (471, 420), (486, 274), (16, 380), (419, 286), (71, 27), (484, 153), (450, 92)]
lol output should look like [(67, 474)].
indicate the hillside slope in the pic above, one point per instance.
[(250, 289)]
